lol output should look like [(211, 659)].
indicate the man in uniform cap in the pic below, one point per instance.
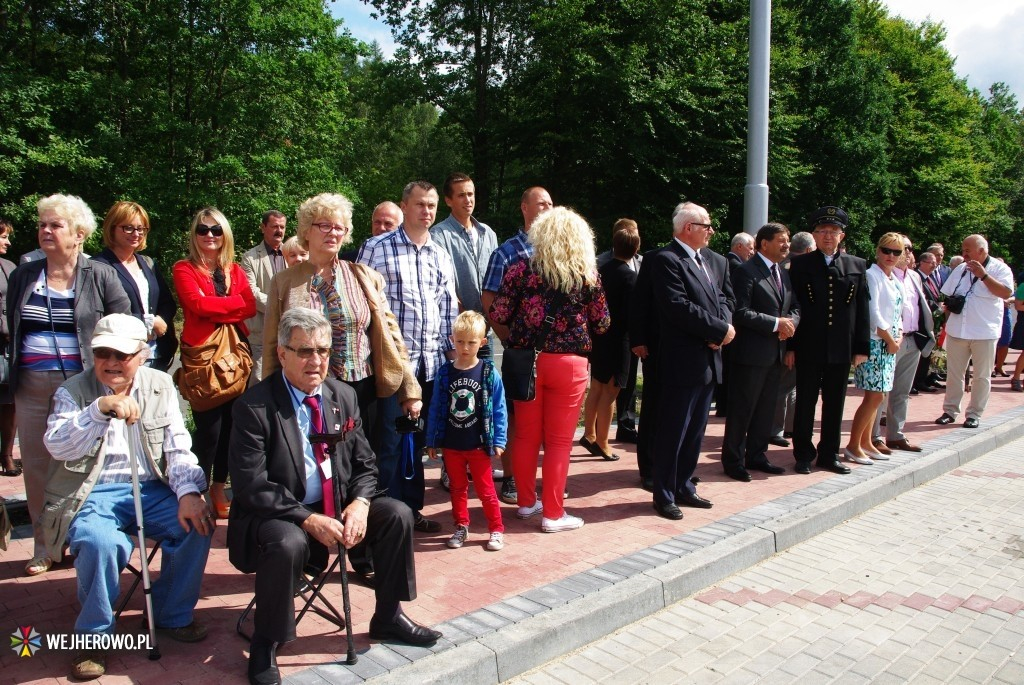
[(834, 332)]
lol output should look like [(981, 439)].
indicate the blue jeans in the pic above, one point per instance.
[(102, 536)]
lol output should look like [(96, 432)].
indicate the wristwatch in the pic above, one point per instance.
[(983, 276), (363, 500)]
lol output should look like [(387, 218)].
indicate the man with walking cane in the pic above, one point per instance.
[(124, 463), (296, 496)]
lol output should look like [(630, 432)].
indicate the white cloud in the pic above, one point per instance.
[(356, 15)]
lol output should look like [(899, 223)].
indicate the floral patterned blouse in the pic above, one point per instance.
[(523, 299)]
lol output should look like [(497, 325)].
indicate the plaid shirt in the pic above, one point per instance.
[(420, 288), (508, 253)]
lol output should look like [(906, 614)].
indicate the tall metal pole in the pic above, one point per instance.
[(755, 197)]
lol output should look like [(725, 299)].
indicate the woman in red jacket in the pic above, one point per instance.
[(212, 290)]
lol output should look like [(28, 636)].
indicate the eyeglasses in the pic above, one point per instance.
[(216, 230), (307, 352), (327, 228), (107, 353), (891, 251), (134, 229), (704, 227), (908, 248)]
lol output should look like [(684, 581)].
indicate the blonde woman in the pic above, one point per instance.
[(875, 376), (559, 281), (54, 304), (212, 290)]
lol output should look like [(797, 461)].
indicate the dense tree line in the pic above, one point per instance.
[(620, 108)]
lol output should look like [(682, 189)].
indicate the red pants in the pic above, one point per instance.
[(455, 462), (551, 419)]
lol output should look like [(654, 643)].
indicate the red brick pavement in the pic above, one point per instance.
[(451, 582)]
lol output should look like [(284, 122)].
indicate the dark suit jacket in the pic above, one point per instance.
[(926, 324), (932, 296), (734, 260), (268, 476), (833, 300), (758, 304), (643, 322), (691, 313), (161, 301)]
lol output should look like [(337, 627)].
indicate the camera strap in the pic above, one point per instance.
[(408, 458)]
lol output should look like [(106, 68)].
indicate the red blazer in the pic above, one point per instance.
[(203, 310)]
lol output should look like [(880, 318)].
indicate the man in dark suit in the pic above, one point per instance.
[(927, 264), (741, 249), (832, 293), (693, 300), (283, 517), (766, 316), (643, 336)]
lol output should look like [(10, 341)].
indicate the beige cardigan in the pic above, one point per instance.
[(388, 356)]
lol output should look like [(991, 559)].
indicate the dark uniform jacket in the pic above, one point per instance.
[(833, 301)]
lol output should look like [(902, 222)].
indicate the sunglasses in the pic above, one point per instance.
[(307, 352), (107, 353), (892, 252), (216, 230)]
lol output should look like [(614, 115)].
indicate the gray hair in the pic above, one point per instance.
[(684, 213), (801, 243), (309, 321), (742, 238)]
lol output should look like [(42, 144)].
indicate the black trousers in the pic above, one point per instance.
[(753, 391), (648, 421), (814, 377), (286, 549), (683, 418), (625, 402)]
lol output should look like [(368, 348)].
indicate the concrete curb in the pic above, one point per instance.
[(518, 634)]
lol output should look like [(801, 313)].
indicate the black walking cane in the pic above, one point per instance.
[(154, 649), (331, 440)]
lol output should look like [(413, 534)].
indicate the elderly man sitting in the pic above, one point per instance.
[(100, 419)]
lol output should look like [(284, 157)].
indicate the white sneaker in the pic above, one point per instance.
[(567, 522), (496, 542), (458, 537), (527, 512)]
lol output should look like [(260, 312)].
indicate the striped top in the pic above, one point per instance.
[(45, 346), (344, 305)]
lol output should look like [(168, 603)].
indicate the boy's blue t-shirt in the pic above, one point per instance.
[(464, 414)]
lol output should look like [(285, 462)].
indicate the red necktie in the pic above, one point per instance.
[(320, 452)]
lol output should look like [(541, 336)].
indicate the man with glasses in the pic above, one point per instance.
[(260, 264), (283, 516), (102, 419), (834, 332)]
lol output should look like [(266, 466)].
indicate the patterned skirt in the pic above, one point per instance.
[(877, 372)]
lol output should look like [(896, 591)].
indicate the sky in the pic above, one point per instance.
[(985, 36)]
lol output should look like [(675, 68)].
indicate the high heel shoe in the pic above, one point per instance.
[(219, 501), (856, 458)]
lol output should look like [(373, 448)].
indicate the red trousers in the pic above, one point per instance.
[(551, 419), (455, 462)]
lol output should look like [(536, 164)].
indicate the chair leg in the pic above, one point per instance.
[(243, 618), (135, 583)]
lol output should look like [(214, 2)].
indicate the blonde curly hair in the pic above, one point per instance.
[(330, 206), (563, 244)]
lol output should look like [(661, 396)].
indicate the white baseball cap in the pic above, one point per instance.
[(121, 332)]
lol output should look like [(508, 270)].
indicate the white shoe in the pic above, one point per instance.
[(527, 512), (567, 522), (496, 542), (856, 458), (877, 456)]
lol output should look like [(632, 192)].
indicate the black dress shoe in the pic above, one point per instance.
[(403, 629), (365, 577), (766, 466), (695, 501), (625, 435), (971, 423), (263, 662), (787, 434), (669, 511), (778, 441), (425, 525), (695, 479), (834, 466), (802, 467), (945, 419), (738, 473), (647, 484)]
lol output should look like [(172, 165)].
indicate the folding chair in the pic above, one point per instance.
[(123, 602), (311, 590)]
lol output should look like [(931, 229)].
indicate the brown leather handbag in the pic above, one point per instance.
[(216, 371)]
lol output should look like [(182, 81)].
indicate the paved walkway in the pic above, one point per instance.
[(543, 595), (926, 588)]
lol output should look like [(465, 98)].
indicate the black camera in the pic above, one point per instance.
[(955, 303), (407, 424)]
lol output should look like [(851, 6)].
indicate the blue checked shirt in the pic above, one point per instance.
[(420, 287), (508, 253)]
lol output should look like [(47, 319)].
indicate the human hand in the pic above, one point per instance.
[(859, 359), (159, 326), (194, 513), (412, 407), (354, 518), (786, 328), (326, 530), (432, 452), (120, 407), (729, 335)]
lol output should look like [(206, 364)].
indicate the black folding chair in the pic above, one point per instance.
[(311, 591), (123, 602)]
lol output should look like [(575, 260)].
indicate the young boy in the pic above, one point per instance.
[(468, 421)]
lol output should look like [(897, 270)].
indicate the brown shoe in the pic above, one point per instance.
[(89, 664), (903, 444), (193, 632), (879, 445)]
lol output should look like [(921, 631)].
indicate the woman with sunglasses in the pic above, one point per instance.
[(125, 229), (875, 375), (212, 290), (368, 352), (54, 304)]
